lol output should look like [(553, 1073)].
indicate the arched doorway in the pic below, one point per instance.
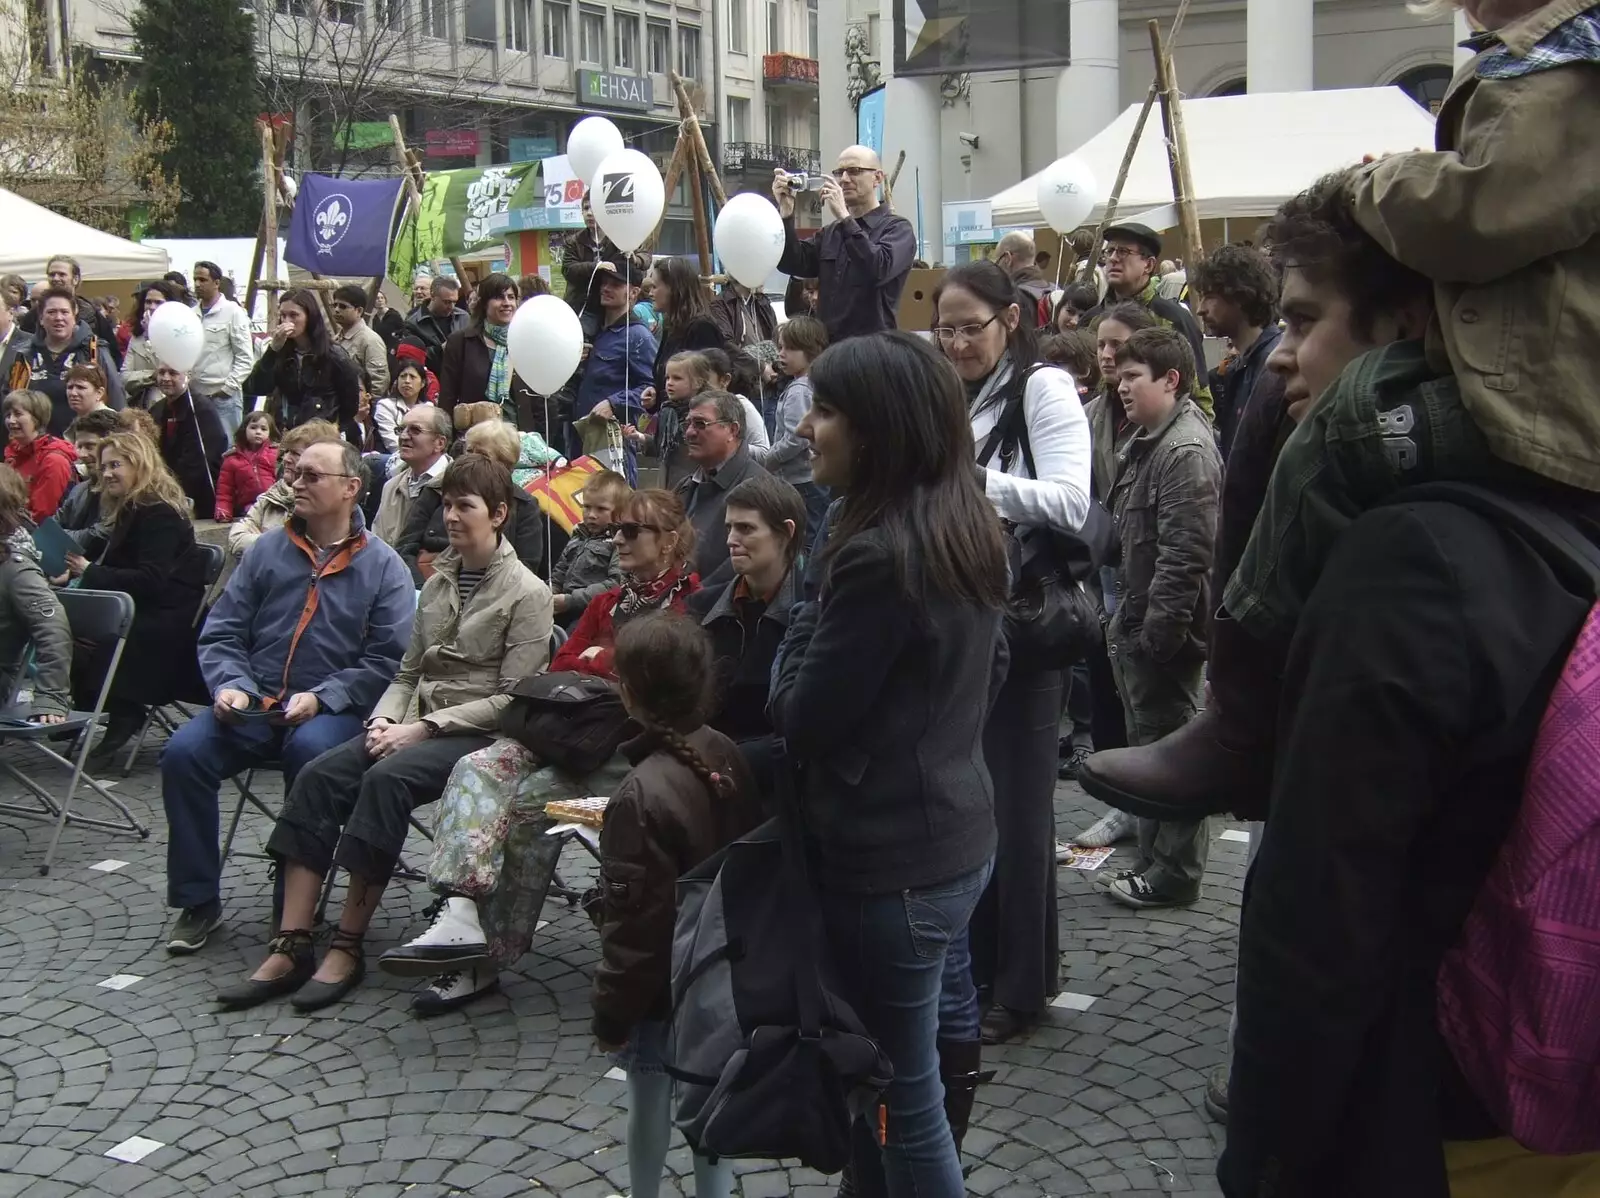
[(1234, 87), (1426, 85)]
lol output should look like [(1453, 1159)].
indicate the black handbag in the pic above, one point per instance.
[(1050, 621), (575, 722)]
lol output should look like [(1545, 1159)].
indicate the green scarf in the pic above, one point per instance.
[(499, 389)]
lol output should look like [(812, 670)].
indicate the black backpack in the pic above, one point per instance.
[(572, 721), (772, 1063)]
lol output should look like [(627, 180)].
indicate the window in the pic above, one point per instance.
[(774, 28), (689, 51), (811, 29), (626, 48), (519, 21), (394, 14), (555, 30), (435, 19), (345, 12), (660, 48), (479, 21), (738, 12), (774, 125), (591, 37), (738, 119), (292, 8)]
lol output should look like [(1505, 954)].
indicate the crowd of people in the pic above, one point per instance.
[(828, 599)]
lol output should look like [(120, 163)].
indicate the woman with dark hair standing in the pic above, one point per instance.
[(308, 376), (475, 366), (139, 362), (686, 324), (1037, 478), (880, 695)]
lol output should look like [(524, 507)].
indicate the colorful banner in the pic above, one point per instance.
[(463, 212), (557, 491), (341, 227)]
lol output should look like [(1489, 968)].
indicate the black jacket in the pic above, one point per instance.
[(150, 554), (700, 333), (464, 378), (192, 444), (882, 700), (433, 331), (705, 501), (860, 267), (324, 387), (744, 321), (1415, 685), (425, 533), (99, 324), (660, 824)]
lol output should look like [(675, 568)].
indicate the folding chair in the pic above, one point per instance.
[(99, 617), (170, 715)]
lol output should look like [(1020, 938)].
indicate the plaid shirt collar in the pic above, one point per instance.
[(1558, 35)]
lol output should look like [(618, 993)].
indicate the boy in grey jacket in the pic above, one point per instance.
[(800, 341), (588, 566)]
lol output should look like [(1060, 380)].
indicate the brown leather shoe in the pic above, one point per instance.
[(1187, 775)]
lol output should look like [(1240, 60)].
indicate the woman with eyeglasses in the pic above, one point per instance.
[(475, 366), (880, 694), (309, 376), (490, 860), (1032, 443)]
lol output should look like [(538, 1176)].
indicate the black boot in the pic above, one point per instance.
[(1220, 761), (960, 1068)]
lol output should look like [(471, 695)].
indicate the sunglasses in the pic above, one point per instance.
[(699, 424), (311, 477), (630, 529)]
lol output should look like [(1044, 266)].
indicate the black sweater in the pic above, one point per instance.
[(882, 700)]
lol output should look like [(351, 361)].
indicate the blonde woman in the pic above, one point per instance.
[(144, 546)]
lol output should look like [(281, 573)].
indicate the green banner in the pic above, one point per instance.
[(462, 211), (367, 135)]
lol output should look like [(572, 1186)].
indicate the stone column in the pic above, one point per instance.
[(1278, 46), (1089, 92)]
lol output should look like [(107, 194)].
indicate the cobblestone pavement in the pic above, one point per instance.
[(509, 1096)]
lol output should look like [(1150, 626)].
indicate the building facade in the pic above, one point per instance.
[(969, 136), (473, 82)]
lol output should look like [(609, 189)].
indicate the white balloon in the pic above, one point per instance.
[(591, 142), (628, 197), (176, 336), (749, 238), (1067, 193), (545, 343)]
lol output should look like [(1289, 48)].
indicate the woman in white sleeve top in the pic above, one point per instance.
[(1013, 934)]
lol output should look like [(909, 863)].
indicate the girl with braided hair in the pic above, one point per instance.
[(689, 794)]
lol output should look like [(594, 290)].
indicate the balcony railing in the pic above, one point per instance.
[(791, 70), (760, 156)]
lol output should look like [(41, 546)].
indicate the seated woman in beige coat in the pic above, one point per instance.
[(483, 622)]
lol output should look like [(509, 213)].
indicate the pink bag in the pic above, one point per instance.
[(1519, 994)]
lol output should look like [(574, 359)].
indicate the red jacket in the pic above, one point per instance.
[(594, 629), (244, 475), (49, 465)]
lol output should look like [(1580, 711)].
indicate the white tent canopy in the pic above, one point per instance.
[(1248, 154), (29, 234)]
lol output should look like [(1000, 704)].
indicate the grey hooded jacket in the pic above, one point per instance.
[(31, 614)]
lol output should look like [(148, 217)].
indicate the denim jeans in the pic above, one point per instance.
[(890, 950), (230, 410), (1387, 422), (201, 755)]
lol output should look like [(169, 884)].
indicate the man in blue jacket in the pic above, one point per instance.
[(621, 362), (300, 646)]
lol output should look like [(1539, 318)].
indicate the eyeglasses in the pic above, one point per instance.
[(311, 477), (417, 430), (700, 424), (839, 172), (1125, 251), (630, 529), (967, 332)]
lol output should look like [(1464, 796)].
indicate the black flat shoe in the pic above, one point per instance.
[(296, 945), (315, 995), (1002, 1023)]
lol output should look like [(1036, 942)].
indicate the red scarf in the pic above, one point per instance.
[(652, 594)]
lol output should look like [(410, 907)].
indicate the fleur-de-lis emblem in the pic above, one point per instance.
[(332, 219)]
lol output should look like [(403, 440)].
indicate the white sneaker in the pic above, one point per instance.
[(1106, 831), (451, 990), (454, 941)]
